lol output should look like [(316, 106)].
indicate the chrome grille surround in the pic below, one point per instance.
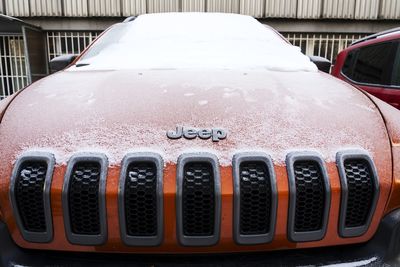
[(85, 239), (47, 158), (252, 239), (314, 235), (341, 158), (192, 240)]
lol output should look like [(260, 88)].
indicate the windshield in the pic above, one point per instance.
[(193, 40)]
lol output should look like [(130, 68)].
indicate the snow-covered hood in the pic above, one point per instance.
[(116, 112)]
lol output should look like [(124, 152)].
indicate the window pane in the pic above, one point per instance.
[(349, 63), (374, 64), (396, 68)]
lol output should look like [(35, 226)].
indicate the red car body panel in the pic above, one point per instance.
[(385, 93)]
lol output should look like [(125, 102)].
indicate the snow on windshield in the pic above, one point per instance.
[(193, 40)]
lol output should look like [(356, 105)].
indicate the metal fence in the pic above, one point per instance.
[(61, 43), (13, 69), (324, 45)]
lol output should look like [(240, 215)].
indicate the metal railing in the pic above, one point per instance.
[(61, 43), (13, 70), (324, 45)]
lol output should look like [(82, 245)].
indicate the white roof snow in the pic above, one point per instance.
[(193, 41)]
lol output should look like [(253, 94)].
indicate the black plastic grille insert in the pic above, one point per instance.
[(255, 198), (310, 196), (141, 199), (360, 191), (29, 190), (198, 199), (84, 198)]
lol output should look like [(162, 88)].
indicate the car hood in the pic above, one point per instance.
[(116, 112)]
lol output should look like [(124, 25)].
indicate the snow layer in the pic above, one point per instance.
[(193, 40), (116, 112), (368, 262)]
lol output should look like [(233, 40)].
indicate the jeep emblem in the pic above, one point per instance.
[(216, 134)]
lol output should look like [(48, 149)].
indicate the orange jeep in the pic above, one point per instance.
[(175, 136)]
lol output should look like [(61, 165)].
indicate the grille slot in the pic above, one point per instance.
[(255, 198), (360, 190), (255, 204), (309, 197), (30, 196), (361, 193), (140, 199), (198, 200), (84, 199)]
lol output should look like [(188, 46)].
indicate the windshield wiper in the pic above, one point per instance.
[(82, 64)]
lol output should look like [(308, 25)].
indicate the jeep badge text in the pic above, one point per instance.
[(216, 134)]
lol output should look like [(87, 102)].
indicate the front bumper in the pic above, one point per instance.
[(382, 250)]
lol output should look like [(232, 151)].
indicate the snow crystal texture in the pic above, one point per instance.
[(193, 40)]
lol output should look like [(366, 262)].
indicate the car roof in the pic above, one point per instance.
[(391, 33)]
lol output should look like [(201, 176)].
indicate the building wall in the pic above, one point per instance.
[(75, 8), (280, 9), (390, 9), (318, 27), (45, 7), (301, 9)]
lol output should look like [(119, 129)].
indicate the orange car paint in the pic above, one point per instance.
[(142, 108), (170, 244), (392, 120)]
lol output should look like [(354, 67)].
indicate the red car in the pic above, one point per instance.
[(373, 64)]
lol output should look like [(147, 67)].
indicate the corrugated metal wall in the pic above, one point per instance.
[(133, 7), (309, 9), (302, 9), (156, 6), (17, 8), (105, 8), (227, 6), (367, 9), (75, 8), (339, 9), (45, 8), (193, 5), (253, 8), (390, 9), (280, 9)]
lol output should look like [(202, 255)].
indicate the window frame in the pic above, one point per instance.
[(357, 51), (396, 62)]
